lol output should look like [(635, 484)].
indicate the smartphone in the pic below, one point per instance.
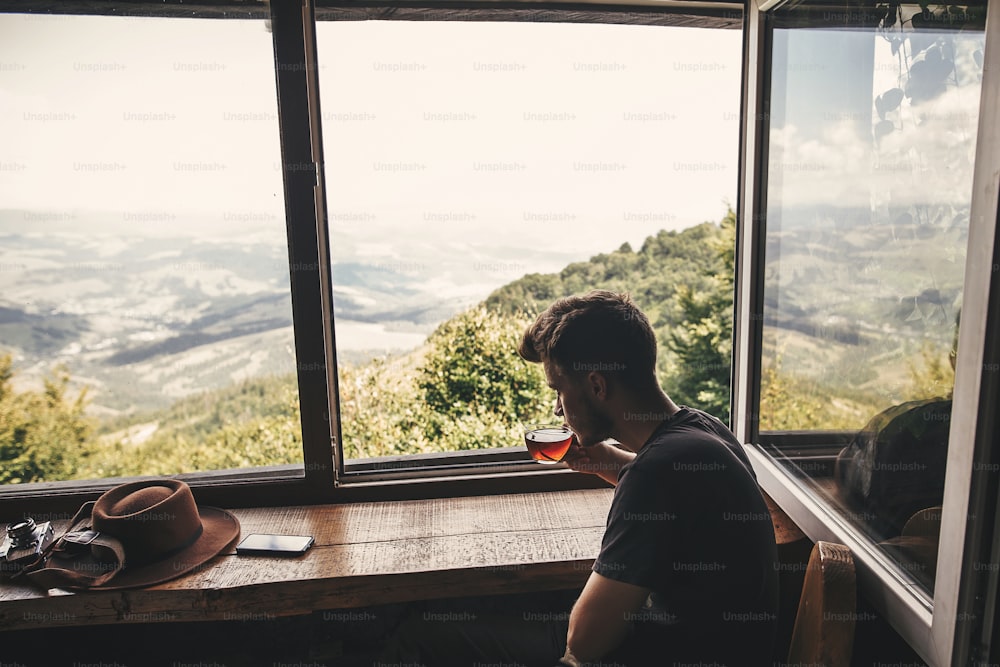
[(259, 544)]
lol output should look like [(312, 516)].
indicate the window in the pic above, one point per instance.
[(862, 263), (610, 176), (144, 249), (871, 147), (497, 167)]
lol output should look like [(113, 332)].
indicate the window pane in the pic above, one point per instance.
[(143, 258), (469, 164), (871, 149)]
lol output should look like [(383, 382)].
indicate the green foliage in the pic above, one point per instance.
[(790, 403), (652, 275), (465, 389), (473, 367), (253, 423), (702, 341), (380, 409), (43, 435), (683, 281), (932, 375)]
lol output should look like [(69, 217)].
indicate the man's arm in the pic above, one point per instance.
[(598, 622)]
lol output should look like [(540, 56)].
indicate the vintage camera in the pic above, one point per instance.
[(24, 543)]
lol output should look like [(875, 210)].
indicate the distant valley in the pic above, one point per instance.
[(143, 321), (147, 318)]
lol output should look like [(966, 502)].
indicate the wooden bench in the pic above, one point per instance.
[(364, 554)]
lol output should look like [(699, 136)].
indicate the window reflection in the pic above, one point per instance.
[(871, 149)]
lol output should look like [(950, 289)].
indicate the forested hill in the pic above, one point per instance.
[(464, 388), (652, 275), (683, 281)]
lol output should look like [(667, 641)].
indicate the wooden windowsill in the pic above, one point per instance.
[(365, 554)]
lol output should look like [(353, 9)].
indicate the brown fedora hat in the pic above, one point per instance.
[(137, 534)]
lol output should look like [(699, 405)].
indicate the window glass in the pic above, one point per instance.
[(145, 316), (869, 181), (477, 171)]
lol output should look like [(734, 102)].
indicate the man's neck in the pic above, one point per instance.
[(641, 418)]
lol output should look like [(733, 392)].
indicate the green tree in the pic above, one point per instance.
[(702, 339), (466, 388), (44, 435), (381, 413), (683, 281), (787, 403), (473, 368), (253, 423)]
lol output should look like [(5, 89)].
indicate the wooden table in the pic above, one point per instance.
[(365, 554)]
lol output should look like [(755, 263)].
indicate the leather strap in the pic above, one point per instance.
[(80, 558)]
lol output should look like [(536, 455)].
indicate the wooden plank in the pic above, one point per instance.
[(266, 602), (365, 554), (328, 577), (380, 521)]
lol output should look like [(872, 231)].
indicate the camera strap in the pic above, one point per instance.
[(10, 574), (80, 558)]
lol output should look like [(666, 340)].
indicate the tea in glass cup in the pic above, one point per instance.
[(547, 443)]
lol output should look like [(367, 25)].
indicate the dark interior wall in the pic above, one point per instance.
[(346, 637)]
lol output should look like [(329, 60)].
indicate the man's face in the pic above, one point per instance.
[(577, 405)]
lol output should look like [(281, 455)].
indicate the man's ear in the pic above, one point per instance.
[(597, 384)]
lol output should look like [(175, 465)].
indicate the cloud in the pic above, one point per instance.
[(925, 158)]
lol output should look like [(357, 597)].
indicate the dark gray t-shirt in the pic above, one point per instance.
[(689, 523)]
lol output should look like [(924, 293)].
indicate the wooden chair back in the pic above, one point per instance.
[(824, 623)]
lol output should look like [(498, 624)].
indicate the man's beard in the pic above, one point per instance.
[(596, 426)]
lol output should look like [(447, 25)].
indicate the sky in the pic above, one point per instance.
[(577, 137), (150, 115), (822, 151), (461, 155), (498, 149), (136, 117)]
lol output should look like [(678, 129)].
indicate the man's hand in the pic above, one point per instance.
[(600, 618), (603, 459)]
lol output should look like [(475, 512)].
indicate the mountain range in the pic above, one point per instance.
[(145, 319)]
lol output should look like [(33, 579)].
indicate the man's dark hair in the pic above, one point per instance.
[(599, 331)]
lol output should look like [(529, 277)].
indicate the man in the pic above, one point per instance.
[(686, 572)]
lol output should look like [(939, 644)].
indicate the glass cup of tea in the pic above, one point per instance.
[(547, 443)]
